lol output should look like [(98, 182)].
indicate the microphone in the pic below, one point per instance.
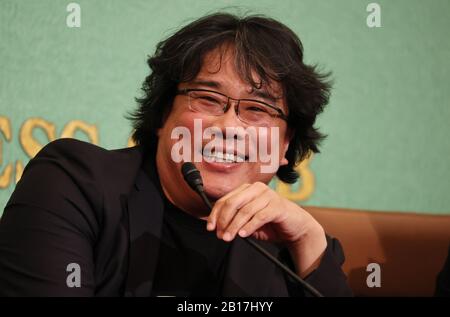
[(192, 176)]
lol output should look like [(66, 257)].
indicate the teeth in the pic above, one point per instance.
[(224, 157)]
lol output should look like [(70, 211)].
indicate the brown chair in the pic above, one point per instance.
[(410, 248)]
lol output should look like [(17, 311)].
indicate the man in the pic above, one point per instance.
[(85, 221)]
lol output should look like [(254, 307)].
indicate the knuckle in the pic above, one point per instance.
[(228, 203), (246, 211), (219, 202), (222, 217), (262, 217)]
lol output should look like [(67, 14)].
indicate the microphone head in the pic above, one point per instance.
[(192, 176)]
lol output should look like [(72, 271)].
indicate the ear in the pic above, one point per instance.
[(285, 145)]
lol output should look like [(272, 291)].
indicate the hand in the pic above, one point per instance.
[(256, 210)]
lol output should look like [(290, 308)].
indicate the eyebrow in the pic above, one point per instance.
[(261, 93)]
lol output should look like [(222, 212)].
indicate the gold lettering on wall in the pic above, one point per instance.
[(5, 130), (89, 129), (29, 144), (19, 170), (130, 142), (307, 186)]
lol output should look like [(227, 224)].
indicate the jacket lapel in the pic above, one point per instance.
[(145, 212), (249, 273)]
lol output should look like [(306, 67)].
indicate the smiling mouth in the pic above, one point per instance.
[(223, 157)]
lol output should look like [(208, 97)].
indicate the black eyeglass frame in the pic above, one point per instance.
[(281, 115)]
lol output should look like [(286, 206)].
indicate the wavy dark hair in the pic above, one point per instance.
[(262, 45)]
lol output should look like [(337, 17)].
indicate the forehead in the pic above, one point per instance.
[(221, 65)]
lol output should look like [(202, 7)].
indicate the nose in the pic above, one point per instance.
[(229, 119)]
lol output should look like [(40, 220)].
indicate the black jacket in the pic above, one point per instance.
[(79, 203), (443, 279)]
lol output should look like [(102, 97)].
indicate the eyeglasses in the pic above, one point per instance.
[(252, 112)]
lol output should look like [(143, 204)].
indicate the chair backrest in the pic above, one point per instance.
[(410, 248)]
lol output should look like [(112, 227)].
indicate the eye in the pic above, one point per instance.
[(256, 109), (209, 99)]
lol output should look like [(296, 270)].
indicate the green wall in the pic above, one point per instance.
[(388, 120)]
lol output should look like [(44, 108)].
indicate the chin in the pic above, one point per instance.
[(216, 192)]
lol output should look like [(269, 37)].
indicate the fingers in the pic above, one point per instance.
[(212, 218), (228, 207), (232, 205), (244, 215), (261, 218)]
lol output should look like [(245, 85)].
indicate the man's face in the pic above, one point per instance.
[(219, 178)]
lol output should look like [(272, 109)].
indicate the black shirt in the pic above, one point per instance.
[(191, 260)]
